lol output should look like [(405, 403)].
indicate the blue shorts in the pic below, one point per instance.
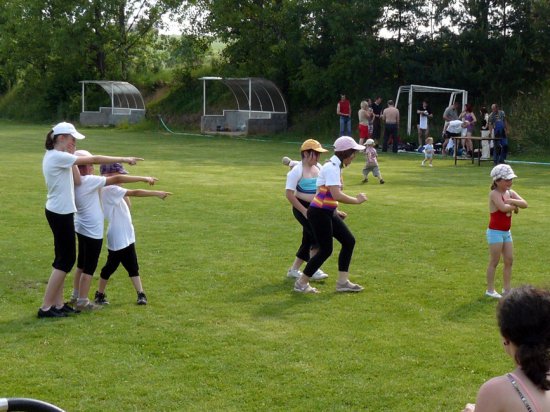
[(498, 236)]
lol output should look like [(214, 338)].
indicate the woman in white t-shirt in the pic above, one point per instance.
[(327, 221), (60, 177)]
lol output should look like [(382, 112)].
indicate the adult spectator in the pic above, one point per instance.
[(377, 110), (450, 114), (453, 129), (485, 133), (364, 114), (391, 126), (424, 114), (468, 116), (498, 126), (343, 109), (523, 318)]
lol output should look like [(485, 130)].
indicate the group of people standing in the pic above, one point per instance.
[(371, 115), (77, 202), (457, 123)]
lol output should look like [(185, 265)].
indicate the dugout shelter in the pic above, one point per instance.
[(415, 88), (260, 108), (125, 104)]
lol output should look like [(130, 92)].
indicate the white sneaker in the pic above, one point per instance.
[(422, 163), (319, 275), (493, 294), (294, 273)]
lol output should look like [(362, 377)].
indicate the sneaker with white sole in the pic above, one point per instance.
[(494, 294), (304, 288), (294, 273), (348, 287), (319, 275)]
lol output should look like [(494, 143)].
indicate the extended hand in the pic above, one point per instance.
[(133, 160), (361, 197)]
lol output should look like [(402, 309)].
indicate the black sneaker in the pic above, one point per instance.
[(101, 298), (51, 313), (68, 310), (141, 299)]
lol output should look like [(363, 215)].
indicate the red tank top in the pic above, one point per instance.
[(500, 220), (345, 107)]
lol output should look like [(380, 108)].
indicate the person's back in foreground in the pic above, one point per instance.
[(524, 322)]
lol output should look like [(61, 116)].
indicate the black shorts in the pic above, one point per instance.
[(89, 250)]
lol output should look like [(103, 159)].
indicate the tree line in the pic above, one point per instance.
[(313, 50)]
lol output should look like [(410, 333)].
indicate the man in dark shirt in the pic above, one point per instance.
[(377, 110)]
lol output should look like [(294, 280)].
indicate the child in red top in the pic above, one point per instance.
[(502, 202)]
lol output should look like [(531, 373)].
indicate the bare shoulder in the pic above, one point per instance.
[(498, 395)]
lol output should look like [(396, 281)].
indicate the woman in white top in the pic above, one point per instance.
[(301, 185), (524, 323), (57, 166)]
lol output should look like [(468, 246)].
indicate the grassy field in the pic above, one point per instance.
[(223, 330)]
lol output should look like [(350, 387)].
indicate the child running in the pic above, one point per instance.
[(428, 151), (372, 163), (88, 223), (120, 233), (502, 202)]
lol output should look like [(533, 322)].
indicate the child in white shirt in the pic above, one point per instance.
[(428, 151), (120, 233)]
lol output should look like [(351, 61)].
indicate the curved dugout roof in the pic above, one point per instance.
[(122, 94), (252, 94)]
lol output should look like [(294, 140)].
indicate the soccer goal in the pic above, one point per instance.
[(415, 88)]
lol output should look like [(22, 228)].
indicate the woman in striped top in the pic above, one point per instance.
[(327, 222)]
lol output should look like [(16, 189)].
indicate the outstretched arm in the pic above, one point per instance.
[(116, 179), (148, 193), (88, 160)]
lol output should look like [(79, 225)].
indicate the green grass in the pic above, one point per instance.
[(223, 331)]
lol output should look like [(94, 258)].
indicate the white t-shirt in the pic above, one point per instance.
[(455, 126), (120, 233), (294, 175), (58, 172), (330, 173), (88, 220)]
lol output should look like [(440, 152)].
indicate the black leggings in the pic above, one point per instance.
[(326, 224), (126, 256), (62, 227), (308, 239)]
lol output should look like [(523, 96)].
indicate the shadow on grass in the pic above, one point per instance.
[(470, 309), (280, 300)]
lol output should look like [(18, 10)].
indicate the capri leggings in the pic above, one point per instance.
[(88, 253), (326, 224), (126, 256), (308, 239), (62, 227)]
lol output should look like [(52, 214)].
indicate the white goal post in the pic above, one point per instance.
[(412, 88)]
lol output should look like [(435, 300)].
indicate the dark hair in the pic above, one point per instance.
[(483, 109), (469, 107), (344, 155), (50, 140), (306, 152), (524, 319)]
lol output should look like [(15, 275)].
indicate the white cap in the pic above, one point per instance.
[(369, 142), (345, 143), (502, 171), (66, 128)]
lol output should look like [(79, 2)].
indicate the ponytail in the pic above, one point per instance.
[(535, 363), (50, 141), (524, 319)]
